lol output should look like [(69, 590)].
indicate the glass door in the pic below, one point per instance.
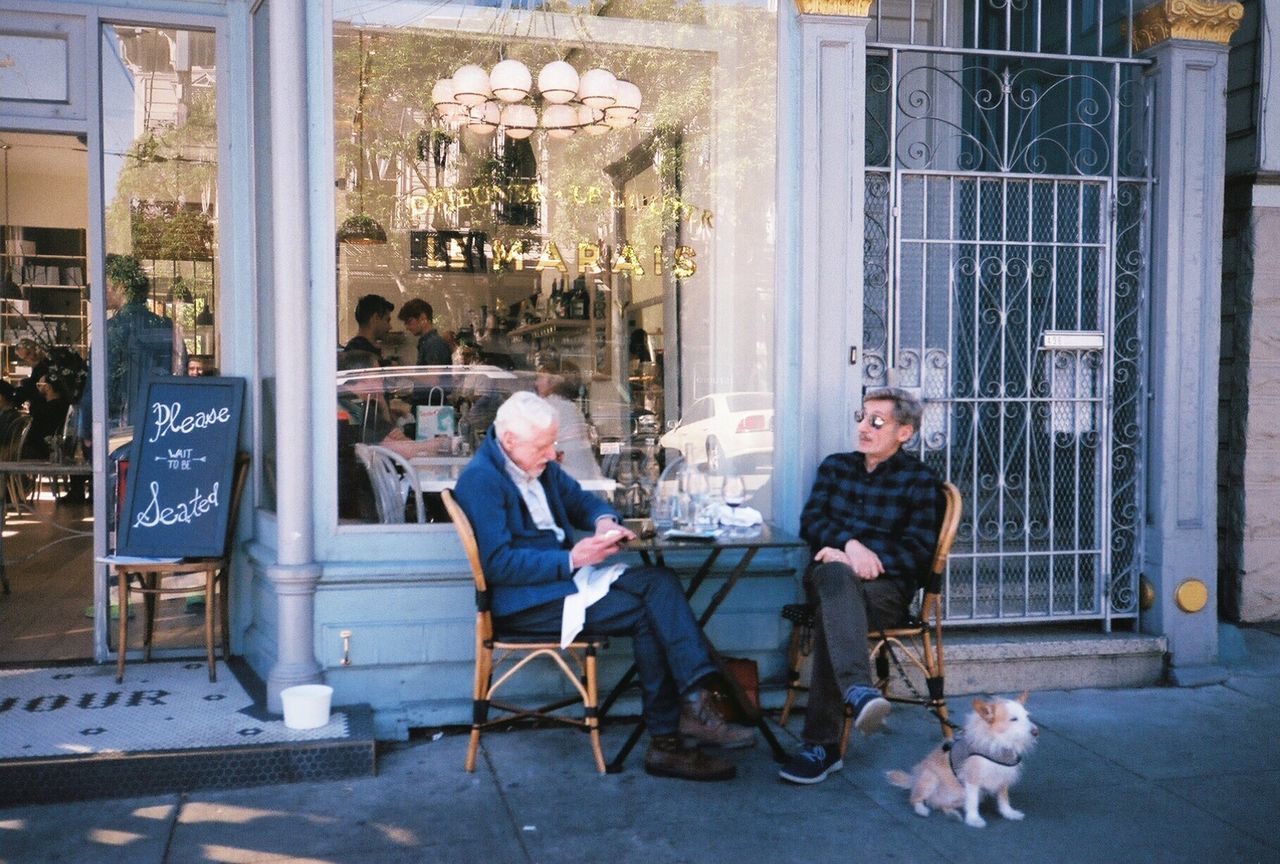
[(47, 525)]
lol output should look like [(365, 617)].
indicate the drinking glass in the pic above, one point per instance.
[(735, 491), (681, 511), (696, 487), (661, 512)]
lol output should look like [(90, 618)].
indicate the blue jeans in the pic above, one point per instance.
[(647, 604)]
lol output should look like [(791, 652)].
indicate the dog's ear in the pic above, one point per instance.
[(1022, 697), (985, 710)]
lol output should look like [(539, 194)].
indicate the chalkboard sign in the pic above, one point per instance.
[(181, 468)]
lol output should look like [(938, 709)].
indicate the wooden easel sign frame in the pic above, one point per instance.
[(181, 468)]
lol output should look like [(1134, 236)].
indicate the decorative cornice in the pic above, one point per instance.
[(1185, 19), (844, 8)]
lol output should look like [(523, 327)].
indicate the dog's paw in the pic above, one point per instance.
[(921, 809), (1010, 813), (975, 821)]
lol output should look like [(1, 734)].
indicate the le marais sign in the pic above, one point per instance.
[(472, 252)]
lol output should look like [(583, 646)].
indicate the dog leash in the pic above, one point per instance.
[(887, 646)]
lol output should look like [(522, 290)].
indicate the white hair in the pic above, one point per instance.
[(523, 414)]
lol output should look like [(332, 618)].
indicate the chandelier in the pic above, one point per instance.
[(592, 103)]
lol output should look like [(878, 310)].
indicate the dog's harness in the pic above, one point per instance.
[(958, 750)]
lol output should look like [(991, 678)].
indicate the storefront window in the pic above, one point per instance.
[(613, 250), (160, 170)]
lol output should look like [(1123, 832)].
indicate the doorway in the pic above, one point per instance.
[(47, 611)]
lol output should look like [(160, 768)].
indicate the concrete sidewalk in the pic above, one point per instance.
[(1155, 775)]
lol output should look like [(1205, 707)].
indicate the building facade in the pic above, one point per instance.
[(1013, 209)]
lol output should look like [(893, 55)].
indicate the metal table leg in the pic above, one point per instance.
[(736, 694)]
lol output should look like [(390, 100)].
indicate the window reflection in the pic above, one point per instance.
[(623, 269), (161, 178)]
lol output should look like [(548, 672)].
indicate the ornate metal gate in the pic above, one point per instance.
[(1006, 195)]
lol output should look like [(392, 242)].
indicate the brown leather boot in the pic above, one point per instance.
[(668, 757), (701, 721)]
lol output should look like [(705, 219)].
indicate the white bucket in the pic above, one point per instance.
[(306, 706)]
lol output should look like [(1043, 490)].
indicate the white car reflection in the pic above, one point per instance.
[(726, 432)]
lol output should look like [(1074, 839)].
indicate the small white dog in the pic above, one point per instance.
[(985, 758)]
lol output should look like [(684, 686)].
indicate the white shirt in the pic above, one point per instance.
[(535, 497)]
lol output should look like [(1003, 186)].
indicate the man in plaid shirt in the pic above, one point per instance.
[(871, 522)]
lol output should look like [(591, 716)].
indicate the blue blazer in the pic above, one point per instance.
[(525, 566)]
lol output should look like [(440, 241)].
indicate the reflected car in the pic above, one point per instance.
[(726, 432)]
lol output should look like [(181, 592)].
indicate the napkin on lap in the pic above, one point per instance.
[(741, 517), (593, 583)]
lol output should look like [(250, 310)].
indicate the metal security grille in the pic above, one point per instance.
[(1006, 208)]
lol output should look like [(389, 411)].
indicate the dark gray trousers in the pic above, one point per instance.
[(847, 607)]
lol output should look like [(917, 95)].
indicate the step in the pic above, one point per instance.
[(1013, 660), (71, 733)]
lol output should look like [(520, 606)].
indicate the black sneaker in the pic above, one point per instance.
[(812, 764), (870, 709)]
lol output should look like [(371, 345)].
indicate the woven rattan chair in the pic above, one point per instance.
[(150, 582), (917, 643), (511, 652)]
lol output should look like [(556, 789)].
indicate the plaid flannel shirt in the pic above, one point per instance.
[(893, 510)]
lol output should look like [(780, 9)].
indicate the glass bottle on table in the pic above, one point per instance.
[(698, 489)]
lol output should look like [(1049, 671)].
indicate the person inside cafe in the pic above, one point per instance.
[(871, 522), (558, 381), (32, 354), (55, 384), (48, 413), (373, 323), (525, 510), (418, 318), (11, 418), (365, 417)]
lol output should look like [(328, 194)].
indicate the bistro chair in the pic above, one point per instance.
[(12, 439), (511, 652), (917, 642), (395, 482), (150, 582)]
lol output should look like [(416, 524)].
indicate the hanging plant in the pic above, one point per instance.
[(127, 272), (361, 229)]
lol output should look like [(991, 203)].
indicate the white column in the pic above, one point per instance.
[(833, 121), (295, 573), (1188, 84)]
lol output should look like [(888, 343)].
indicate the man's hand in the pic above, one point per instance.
[(609, 528), (830, 555), (607, 540), (865, 563), (593, 550)]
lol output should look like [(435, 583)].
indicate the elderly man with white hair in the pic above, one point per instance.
[(523, 508)]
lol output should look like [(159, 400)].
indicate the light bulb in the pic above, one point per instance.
[(626, 109), (519, 121), (558, 82), (560, 121), (510, 80), (597, 88), (471, 85), (483, 119)]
